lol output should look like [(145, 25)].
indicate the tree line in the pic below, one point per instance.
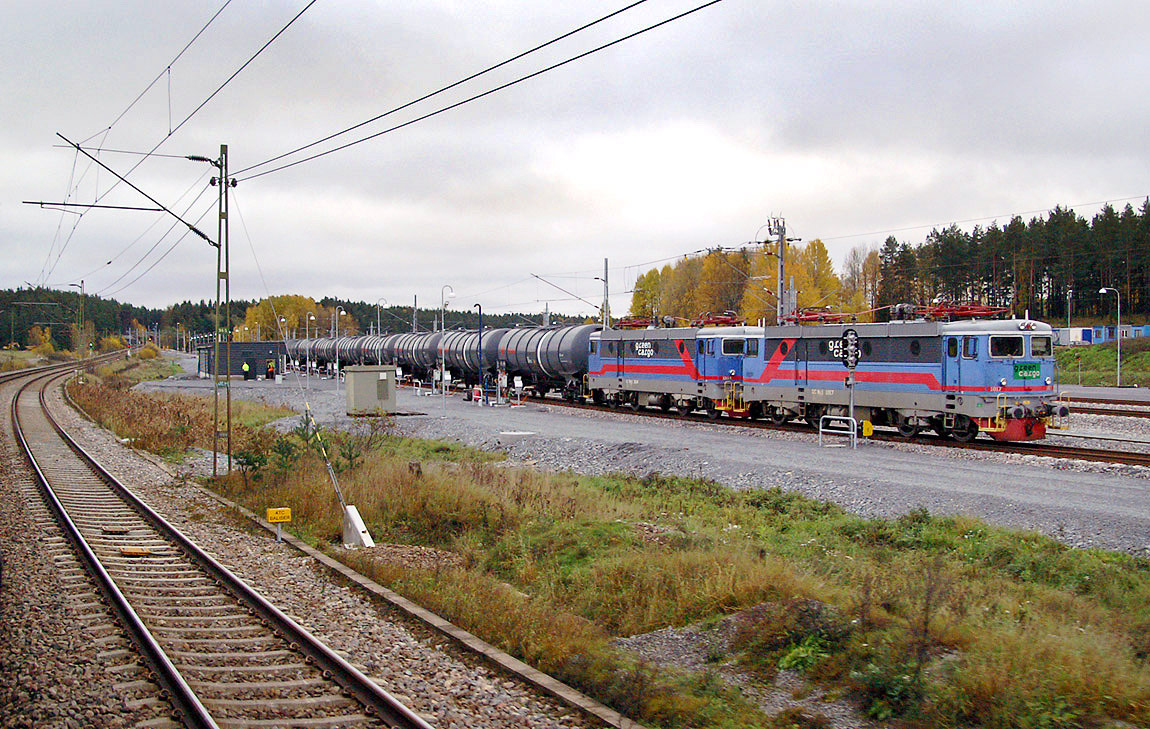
[(1040, 267)]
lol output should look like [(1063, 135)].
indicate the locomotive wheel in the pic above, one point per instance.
[(965, 430), (711, 410), (665, 403), (813, 413), (907, 428), (755, 411), (631, 401), (685, 408), (779, 416), (597, 397)]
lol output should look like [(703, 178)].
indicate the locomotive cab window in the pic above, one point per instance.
[(1040, 346), (915, 347), (969, 347), (752, 348), (952, 347), (1006, 346), (594, 346), (734, 346)]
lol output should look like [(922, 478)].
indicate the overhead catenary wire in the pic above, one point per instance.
[(153, 248), (210, 96), (167, 70), (171, 130), (483, 94), (443, 89)]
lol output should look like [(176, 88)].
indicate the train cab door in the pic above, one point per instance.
[(951, 363), (705, 357), (752, 360)]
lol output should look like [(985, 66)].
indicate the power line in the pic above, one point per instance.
[(211, 96), (45, 272), (154, 246), (425, 97), (489, 92), (171, 130), (166, 71)]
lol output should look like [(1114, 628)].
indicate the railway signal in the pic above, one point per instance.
[(850, 349)]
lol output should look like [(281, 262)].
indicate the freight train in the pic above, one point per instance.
[(957, 378)]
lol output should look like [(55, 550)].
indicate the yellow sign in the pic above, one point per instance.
[(279, 516), (868, 428)]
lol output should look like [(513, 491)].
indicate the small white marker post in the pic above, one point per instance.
[(279, 517)]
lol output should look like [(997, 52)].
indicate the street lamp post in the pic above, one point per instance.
[(482, 371), (335, 323), (307, 354), (1118, 329), (80, 333), (443, 297), (378, 331)]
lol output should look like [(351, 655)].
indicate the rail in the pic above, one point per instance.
[(375, 700)]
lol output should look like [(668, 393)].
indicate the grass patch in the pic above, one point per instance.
[(936, 621), (165, 424), (1097, 364)]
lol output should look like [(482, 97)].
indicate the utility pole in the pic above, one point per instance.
[(778, 228), (223, 328), (606, 313)]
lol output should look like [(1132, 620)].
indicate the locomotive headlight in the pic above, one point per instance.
[(1048, 380), (1002, 382)]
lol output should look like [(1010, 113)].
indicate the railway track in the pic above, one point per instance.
[(222, 655), (1049, 450), (1120, 407)]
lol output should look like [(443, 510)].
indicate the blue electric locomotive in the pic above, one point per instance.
[(958, 378)]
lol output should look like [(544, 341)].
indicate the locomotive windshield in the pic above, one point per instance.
[(1006, 346), (1040, 346), (733, 346)]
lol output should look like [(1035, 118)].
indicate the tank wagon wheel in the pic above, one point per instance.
[(965, 429), (685, 409), (711, 410)]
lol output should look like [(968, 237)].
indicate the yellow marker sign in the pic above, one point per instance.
[(867, 429), (279, 516)]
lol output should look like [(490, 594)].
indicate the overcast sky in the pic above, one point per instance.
[(851, 119)]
